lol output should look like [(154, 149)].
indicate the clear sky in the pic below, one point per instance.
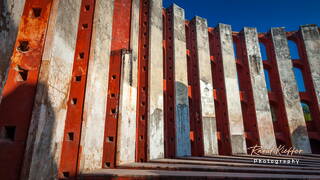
[(253, 13)]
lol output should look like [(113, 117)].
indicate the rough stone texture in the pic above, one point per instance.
[(10, 13), (155, 113), (206, 88), (259, 89), (296, 121), (95, 104), (127, 110), (126, 142), (236, 127), (48, 117), (311, 38), (183, 144)]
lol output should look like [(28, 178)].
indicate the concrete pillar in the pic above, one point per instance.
[(95, 105), (311, 39), (296, 122), (259, 89), (128, 94), (155, 113), (208, 114), (236, 127), (10, 15), (183, 144), (49, 113)]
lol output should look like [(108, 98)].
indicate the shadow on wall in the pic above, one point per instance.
[(26, 146)]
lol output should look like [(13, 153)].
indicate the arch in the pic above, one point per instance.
[(299, 79), (267, 79), (235, 46), (306, 111), (294, 52), (263, 51), (273, 110)]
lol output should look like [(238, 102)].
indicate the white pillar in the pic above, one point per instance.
[(209, 127), (46, 129), (295, 117), (183, 144), (95, 105), (236, 127), (259, 89), (156, 106)]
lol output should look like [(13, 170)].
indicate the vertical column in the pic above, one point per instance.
[(206, 87), (20, 89), (236, 128), (311, 39), (95, 105), (259, 89), (72, 131), (156, 106), (126, 143), (120, 41), (11, 11), (183, 146), (294, 113)]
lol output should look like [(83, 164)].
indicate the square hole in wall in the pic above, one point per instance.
[(86, 7), (22, 74), (81, 55), (8, 133), (23, 46), (113, 110), (107, 164), (70, 136), (77, 78), (36, 12), (74, 101), (66, 174), (85, 26), (110, 139)]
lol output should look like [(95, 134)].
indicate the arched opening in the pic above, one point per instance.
[(306, 112), (273, 110), (293, 49), (235, 50), (299, 78), (263, 51), (267, 79)]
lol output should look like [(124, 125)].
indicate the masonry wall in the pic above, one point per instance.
[(89, 84)]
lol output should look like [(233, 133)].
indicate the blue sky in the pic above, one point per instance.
[(255, 13)]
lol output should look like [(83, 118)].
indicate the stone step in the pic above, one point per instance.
[(200, 161), (144, 174), (216, 168)]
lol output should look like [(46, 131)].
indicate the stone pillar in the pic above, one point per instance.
[(46, 129), (311, 39), (95, 105), (259, 89), (236, 127), (126, 142), (208, 114), (183, 144), (155, 113), (294, 113), (10, 15)]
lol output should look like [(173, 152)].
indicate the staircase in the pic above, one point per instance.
[(215, 167)]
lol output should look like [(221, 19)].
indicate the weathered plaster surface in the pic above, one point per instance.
[(183, 144), (95, 104), (259, 89), (49, 113), (311, 38), (127, 110), (10, 14), (155, 113), (206, 88), (296, 121), (236, 127)]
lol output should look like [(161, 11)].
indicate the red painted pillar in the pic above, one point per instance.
[(19, 91)]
